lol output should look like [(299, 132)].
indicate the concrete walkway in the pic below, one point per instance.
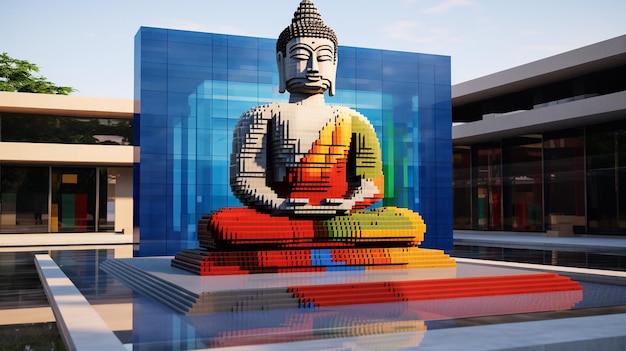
[(60, 239), (80, 325), (540, 241)]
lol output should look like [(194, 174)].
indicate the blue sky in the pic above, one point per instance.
[(89, 44)]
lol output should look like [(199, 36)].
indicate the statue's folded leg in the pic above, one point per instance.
[(246, 226), (248, 241), (392, 226), (386, 224)]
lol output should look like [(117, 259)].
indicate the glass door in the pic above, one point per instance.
[(73, 205), (487, 188), (23, 199), (523, 183)]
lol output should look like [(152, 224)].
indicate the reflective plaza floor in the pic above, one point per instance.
[(142, 323)]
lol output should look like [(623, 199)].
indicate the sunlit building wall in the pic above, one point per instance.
[(65, 164)]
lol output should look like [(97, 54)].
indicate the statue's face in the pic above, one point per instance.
[(310, 66)]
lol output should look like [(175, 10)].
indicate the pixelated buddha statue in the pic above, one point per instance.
[(306, 172)]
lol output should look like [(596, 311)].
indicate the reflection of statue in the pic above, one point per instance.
[(307, 171)]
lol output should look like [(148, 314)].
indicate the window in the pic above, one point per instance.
[(523, 183), (487, 187), (23, 199), (564, 177), (15, 127)]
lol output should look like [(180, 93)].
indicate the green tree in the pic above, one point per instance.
[(23, 76)]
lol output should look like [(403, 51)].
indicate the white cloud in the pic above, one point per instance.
[(447, 5), (418, 36), (400, 29), (531, 33), (411, 32)]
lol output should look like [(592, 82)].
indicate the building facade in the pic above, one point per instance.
[(65, 164), (193, 87), (542, 147)]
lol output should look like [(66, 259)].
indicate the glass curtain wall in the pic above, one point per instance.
[(56, 199), (570, 181), (194, 87)]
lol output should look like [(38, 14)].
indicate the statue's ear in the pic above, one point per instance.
[(333, 81), (280, 62)]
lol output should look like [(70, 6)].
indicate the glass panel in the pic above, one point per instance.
[(523, 184), (23, 199), (621, 174), (106, 208), (17, 127), (73, 200), (462, 188), (564, 176), (487, 190), (602, 183)]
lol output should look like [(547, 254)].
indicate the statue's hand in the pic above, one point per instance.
[(341, 205), (333, 201), (318, 210), (291, 204), (328, 207)]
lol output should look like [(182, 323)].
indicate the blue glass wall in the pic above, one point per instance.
[(193, 87)]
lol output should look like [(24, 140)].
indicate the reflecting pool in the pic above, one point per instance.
[(145, 324)]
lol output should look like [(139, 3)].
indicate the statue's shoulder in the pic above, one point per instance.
[(358, 120), (344, 110), (261, 112), (265, 108)]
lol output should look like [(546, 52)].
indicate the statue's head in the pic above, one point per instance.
[(306, 53)]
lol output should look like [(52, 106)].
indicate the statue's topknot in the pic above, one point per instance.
[(306, 22)]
